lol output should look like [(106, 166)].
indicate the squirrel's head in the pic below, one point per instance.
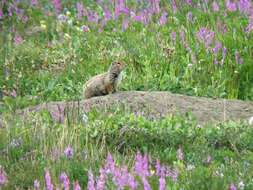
[(117, 67)]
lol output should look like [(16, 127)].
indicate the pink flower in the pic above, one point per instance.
[(215, 6), (232, 187), (57, 6), (65, 181), (231, 6), (163, 18), (17, 39), (77, 186), (91, 182), (69, 152), (49, 185), (3, 177), (85, 28), (36, 184)]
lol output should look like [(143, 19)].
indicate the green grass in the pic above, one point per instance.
[(54, 63), (42, 143)]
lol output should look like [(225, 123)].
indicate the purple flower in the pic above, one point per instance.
[(249, 28), (80, 10), (141, 165), (146, 185), (174, 6), (1, 13), (3, 177), (236, 57), (11, 10), (232, 187), (172, 173), (69, 152), (244, 6), (189, 16), (85, 28), (120, 8), (49, 185), (110, 164), (125, 24), (17, 39), (173, 36), (101, 180), (215, 6), (57, 6), (163, 18), (189, 2), (224, 52), (91, 182), (65, 181), (231, 6), (107, 14), (217, 47), (180, 154), (155, 6), (205, 36), (77, 186), (34, 2), (36, 184), (93, 17)]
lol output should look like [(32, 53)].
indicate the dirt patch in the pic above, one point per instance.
[(157, 104)]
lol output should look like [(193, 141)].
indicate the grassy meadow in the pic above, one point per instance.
[(49, 48)]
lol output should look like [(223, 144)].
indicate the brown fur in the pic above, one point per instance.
[(105, 83)]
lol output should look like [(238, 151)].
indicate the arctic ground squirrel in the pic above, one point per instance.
[(105, 83)]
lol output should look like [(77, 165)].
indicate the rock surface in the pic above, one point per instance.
[(155, 103)]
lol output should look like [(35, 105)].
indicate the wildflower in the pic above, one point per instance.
[(190, 167), (189, 2), (224, 52), (141, 165), (244, 6), (173, 36), (34, 2), (17, 39), (249, 28), (36, 184), (80, 10), (107, 14), (85, 117), (155, 6), (232, 187), (57, 6), (16, 142), (77, 186), (251, 120), (91, 182), (110, 164), (101, 180), (162, 181), (174, 6), (1, 13), (125, 24), (189, 16), (93, 17), (49, 185), (61, 17), (231, 6), (172, 173), (65, 181), (69, 152), (3, 177), (163, 18), (241, 185), (14, 94), (205, 36), (215, 6), (180, 154), (85, 28)]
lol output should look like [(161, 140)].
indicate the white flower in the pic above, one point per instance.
[(241, 185), (85, 118), (251, 120), (190, 167)]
